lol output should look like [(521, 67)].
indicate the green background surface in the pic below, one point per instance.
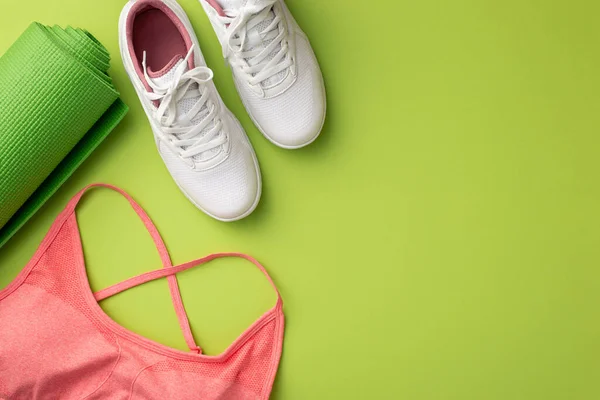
[(440, 241)]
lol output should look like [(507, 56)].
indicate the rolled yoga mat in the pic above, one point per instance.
[(57, 103)]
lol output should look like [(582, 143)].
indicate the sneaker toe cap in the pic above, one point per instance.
[(228, 191)]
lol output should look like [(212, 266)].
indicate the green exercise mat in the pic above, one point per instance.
[(57, 104)]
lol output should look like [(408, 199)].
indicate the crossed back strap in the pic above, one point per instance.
[(168, 269)]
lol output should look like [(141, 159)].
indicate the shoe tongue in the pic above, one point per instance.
[(164, 77), (232, 4), (257, 33)]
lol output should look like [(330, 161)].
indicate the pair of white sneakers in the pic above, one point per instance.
[(201, 142)]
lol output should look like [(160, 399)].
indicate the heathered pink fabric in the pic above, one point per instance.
[(57, 343)]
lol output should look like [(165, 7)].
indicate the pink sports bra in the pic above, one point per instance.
[(57, 343)]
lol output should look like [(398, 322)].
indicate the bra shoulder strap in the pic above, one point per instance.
[(156, 238), (162, 250)]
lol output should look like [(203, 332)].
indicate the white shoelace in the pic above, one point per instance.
[(181, 132), (248, 52)]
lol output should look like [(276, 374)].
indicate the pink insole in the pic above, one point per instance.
[(157, 35)]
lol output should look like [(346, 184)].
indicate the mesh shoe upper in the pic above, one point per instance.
[(289, 106), (208, 155)]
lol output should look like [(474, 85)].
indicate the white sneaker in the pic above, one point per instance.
[(274, 68), (202, 144)]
